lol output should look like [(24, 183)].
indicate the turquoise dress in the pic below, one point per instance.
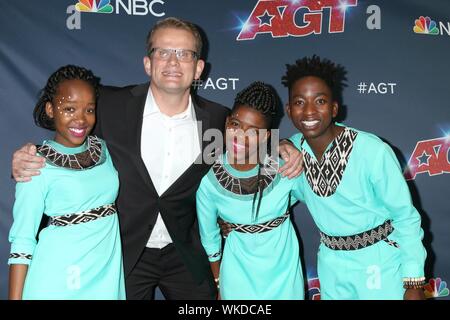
[(253, 266), (357, 186), (80, 261)]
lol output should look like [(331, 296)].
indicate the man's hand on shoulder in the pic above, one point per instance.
[(26, 164), (293, 158)]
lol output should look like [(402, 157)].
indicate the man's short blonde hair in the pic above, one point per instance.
[(176, 23)]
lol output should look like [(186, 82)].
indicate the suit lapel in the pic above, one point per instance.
[(134, 118)]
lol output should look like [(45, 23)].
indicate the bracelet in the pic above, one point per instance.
[(414, 283)]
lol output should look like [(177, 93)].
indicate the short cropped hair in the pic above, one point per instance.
[(176, 23)]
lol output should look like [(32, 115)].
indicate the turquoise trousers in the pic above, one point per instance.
[(371, 273)]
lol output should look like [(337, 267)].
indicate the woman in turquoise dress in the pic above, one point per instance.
[(78, 255), (260, 258)]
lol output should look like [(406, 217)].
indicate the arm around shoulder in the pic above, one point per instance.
[(26, 163)]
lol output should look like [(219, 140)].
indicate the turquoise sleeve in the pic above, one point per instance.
[(207, 219), (297, 189), (392, 191), (27, 214)]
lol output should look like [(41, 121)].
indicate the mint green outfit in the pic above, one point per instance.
[(253, 266), (82, 261), (365, 188)]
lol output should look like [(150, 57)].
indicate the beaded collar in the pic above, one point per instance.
[(87, 159), (245, 186)]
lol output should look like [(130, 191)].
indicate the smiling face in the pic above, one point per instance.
[(73, 112), (312, 108), (172, 76), (246, 129)]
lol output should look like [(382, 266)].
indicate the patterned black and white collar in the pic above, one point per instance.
[(245, 186), (87, 159), (325, 176)]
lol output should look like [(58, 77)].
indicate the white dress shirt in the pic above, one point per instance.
[(169, 145)]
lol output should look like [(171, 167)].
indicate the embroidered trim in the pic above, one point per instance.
[(79, 161), (360, 240), (20, 256), (215, 255), (325, 177), (392, 243), (245, 186), (84, 216), (260, 227)]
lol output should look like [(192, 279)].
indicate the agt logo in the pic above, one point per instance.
[(297, 18), (215, 84), (425, 25), (131, 7), (430, 156), (436, 288)]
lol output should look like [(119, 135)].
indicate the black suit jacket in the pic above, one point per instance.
[(119, 122)]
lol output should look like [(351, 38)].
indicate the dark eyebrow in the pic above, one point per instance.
[(250, 126), (317, 95)]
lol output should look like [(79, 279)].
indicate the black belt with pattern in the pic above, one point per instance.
[(260, 227), (83, 217), (360, 240)]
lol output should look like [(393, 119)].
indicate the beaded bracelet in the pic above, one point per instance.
[(414, 283)]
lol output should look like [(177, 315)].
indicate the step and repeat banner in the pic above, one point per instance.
[(396, 54)]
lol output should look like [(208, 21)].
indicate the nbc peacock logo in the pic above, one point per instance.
[(436, 288), (97, 6), (424, 25)]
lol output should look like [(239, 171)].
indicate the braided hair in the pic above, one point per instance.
[(261, 97), (68, 72), (332, 74), (264, 99)]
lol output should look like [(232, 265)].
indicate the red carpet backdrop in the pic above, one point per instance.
[(396, 54)]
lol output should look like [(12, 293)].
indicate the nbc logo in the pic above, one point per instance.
[(100, 6), (425, 25), (130, 7), (436, 288)]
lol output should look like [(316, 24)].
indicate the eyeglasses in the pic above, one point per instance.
[(183, 55)]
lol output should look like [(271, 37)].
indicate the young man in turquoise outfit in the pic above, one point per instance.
[(371, 238)]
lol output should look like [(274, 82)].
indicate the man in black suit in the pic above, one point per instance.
[(155, 140)]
